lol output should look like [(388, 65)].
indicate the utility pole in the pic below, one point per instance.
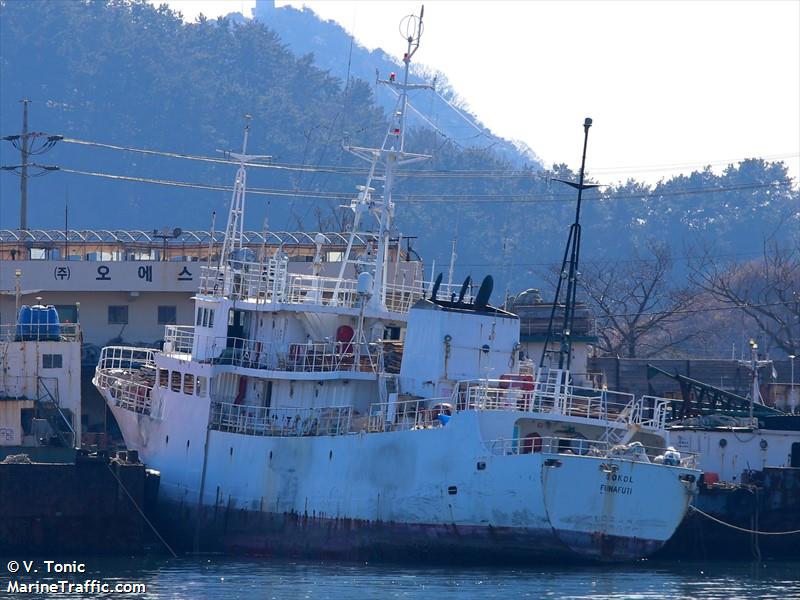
[(28, 146), (23, 180)]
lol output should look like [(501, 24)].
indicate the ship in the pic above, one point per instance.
[(352, 416)]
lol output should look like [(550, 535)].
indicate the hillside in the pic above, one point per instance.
[(125, 73)]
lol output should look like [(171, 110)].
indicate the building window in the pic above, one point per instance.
[(67, 313), (51, 361), (117, 315), (167, 315)]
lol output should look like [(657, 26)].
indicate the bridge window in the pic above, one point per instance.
[(163, 378), (201, 386), (188, 384), (175, 381), (51, 361)]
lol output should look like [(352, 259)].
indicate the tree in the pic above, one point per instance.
[(636, 307), (767, 289)]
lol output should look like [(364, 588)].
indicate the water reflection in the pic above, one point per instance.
[(227, 579)]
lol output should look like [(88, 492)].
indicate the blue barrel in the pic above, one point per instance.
[(38, 328), (23, 323), (53, 323), (43, 324)]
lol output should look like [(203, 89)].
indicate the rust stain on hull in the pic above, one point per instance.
[(296, 535)]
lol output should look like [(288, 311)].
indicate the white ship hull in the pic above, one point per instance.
[(437, 492)]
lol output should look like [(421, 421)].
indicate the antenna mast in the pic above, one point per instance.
[(234, 231), (391, 154), (569, 271)]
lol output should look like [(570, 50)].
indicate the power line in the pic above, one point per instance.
[(684, 258), (432, 198), (689, 311), (440, 173)]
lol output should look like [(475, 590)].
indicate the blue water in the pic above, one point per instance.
[(223, 579)]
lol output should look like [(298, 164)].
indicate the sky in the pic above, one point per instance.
[(670, 85)]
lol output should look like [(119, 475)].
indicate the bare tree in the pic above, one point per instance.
[(767, 290), (637, 309)]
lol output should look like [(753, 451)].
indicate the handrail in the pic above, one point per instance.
[(41, 332), (576, 446), (128, 392), (280, 422), (126, 358), (319, 357), (270, 281), (418, 413)]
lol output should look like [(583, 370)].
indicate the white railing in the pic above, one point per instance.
[(597, 448), (654, 411), (419, 413), (244, 280), (128, 375), (271, 282), (126, 358), (320, 357), (281, 422), (495, 394), (179, 339), (128, 391), (41, 332)]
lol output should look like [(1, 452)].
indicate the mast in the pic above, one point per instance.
[(569, 270), (390, 156), (234, 231)]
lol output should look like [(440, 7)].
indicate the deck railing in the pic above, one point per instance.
[(41, 332), (127, 391), (271, 282), (419, 413), (597, 448), (280, 422), (320, 357), (619, 410), (128, 375), (126, 358), (495, 394)]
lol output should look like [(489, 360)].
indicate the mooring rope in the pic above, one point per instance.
[(141, 512), (743, 529)]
